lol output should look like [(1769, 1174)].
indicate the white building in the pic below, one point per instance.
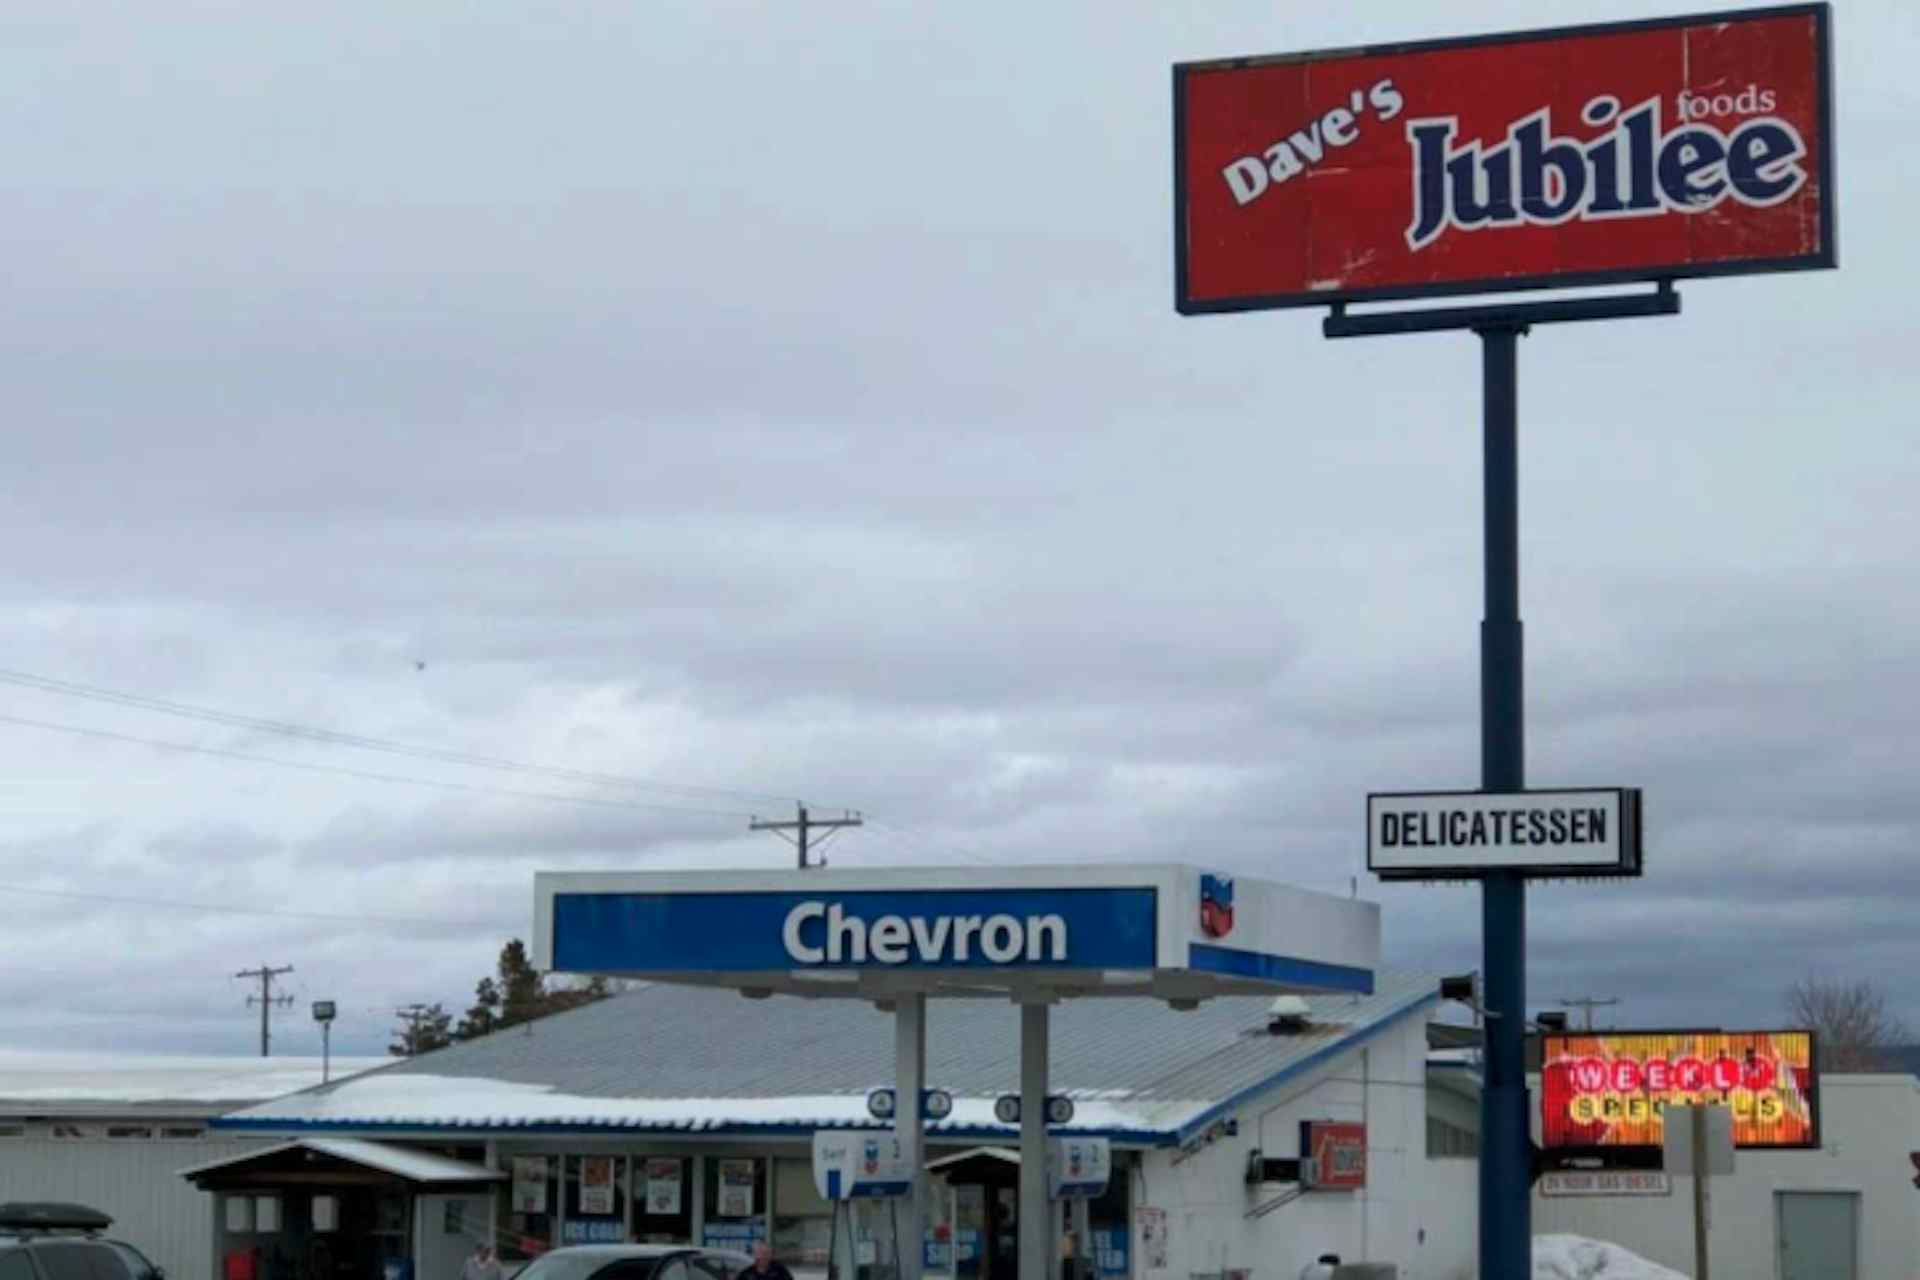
[(680, 1113), (1847, 1210), (112, 1130)]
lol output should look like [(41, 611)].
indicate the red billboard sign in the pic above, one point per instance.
[(1612, 1089), (1585, 155), (1338, 1150)]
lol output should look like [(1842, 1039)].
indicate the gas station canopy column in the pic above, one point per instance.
[(900, 936)]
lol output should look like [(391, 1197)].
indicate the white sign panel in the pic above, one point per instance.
[(1461, 834), (663, 1185), (529, 1184), (1606, 1182), (855, 1164), (1078, 1168), (1153, 1238), (736, 1189), (596, 1185), (1677, 1138)]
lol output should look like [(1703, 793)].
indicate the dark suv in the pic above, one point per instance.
[(63, 1242)]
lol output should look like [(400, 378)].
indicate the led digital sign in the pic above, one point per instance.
[(1611, 1090)]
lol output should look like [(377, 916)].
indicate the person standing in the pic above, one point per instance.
[(482, 1265), (764, 1267)]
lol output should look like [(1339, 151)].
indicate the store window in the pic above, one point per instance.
[(596, 1190), (968, 1230), (735, 1194), (1107, 1253), (663, 1199), (1447, 1141), (803, 1221), (530, 1209)]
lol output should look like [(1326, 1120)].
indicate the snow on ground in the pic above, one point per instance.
[(1578, 1258)]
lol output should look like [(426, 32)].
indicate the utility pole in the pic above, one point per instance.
[(1587, 1004), (803, 825), (415, 1016), (266, 999)]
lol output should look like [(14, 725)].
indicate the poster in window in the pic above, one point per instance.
[(529, 1184), (1153, 1238), (663, 1185), (596, 1185), (736, 1189)]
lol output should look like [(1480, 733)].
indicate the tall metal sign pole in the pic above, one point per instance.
[(1506, 1151), (1625, 153), (1505, 1189)]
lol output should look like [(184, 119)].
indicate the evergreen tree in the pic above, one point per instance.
[(484, 1015), (517, 993), (523, 992)]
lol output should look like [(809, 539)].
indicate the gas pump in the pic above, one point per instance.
[(1077, 1173), (864, 1173)]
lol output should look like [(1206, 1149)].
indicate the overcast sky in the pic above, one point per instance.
[(788, 399)]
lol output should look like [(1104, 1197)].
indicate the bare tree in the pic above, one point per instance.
[(1851, 1023)]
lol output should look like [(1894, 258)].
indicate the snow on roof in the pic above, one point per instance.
[(415, 1166), (692, 1059), (52, 1081), (1562, 1257), (455, 1102), (1453, 1057)]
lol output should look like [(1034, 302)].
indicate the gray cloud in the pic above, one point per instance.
[(711, 394)]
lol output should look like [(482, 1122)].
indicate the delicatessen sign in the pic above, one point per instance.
[(1446, 835), (1635, 151)]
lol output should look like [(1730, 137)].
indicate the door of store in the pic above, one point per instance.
[(447, 1228), (1819, 1234), (986, 1228)]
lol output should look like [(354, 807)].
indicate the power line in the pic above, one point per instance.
[(287, 728), (370, 775), (218, 909), (920, 838)]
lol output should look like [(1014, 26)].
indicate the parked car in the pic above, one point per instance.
[(632, 1262), (48, 1241)]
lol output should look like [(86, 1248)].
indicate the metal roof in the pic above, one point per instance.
[(414, 1166), (664, 1043), (104, 1084)]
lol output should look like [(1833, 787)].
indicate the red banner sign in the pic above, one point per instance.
[(1338, 1150), (1587, 155), (1612, 1089)]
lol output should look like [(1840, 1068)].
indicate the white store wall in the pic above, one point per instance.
[(1413, 1212), (1869, 1124), (135, 1182)]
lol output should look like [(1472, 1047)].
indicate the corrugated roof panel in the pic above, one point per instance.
[(662, 1043)]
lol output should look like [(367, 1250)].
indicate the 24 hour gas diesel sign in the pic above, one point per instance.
[(1652, 150)]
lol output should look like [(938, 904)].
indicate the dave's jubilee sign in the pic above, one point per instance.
[(1587, 155)]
